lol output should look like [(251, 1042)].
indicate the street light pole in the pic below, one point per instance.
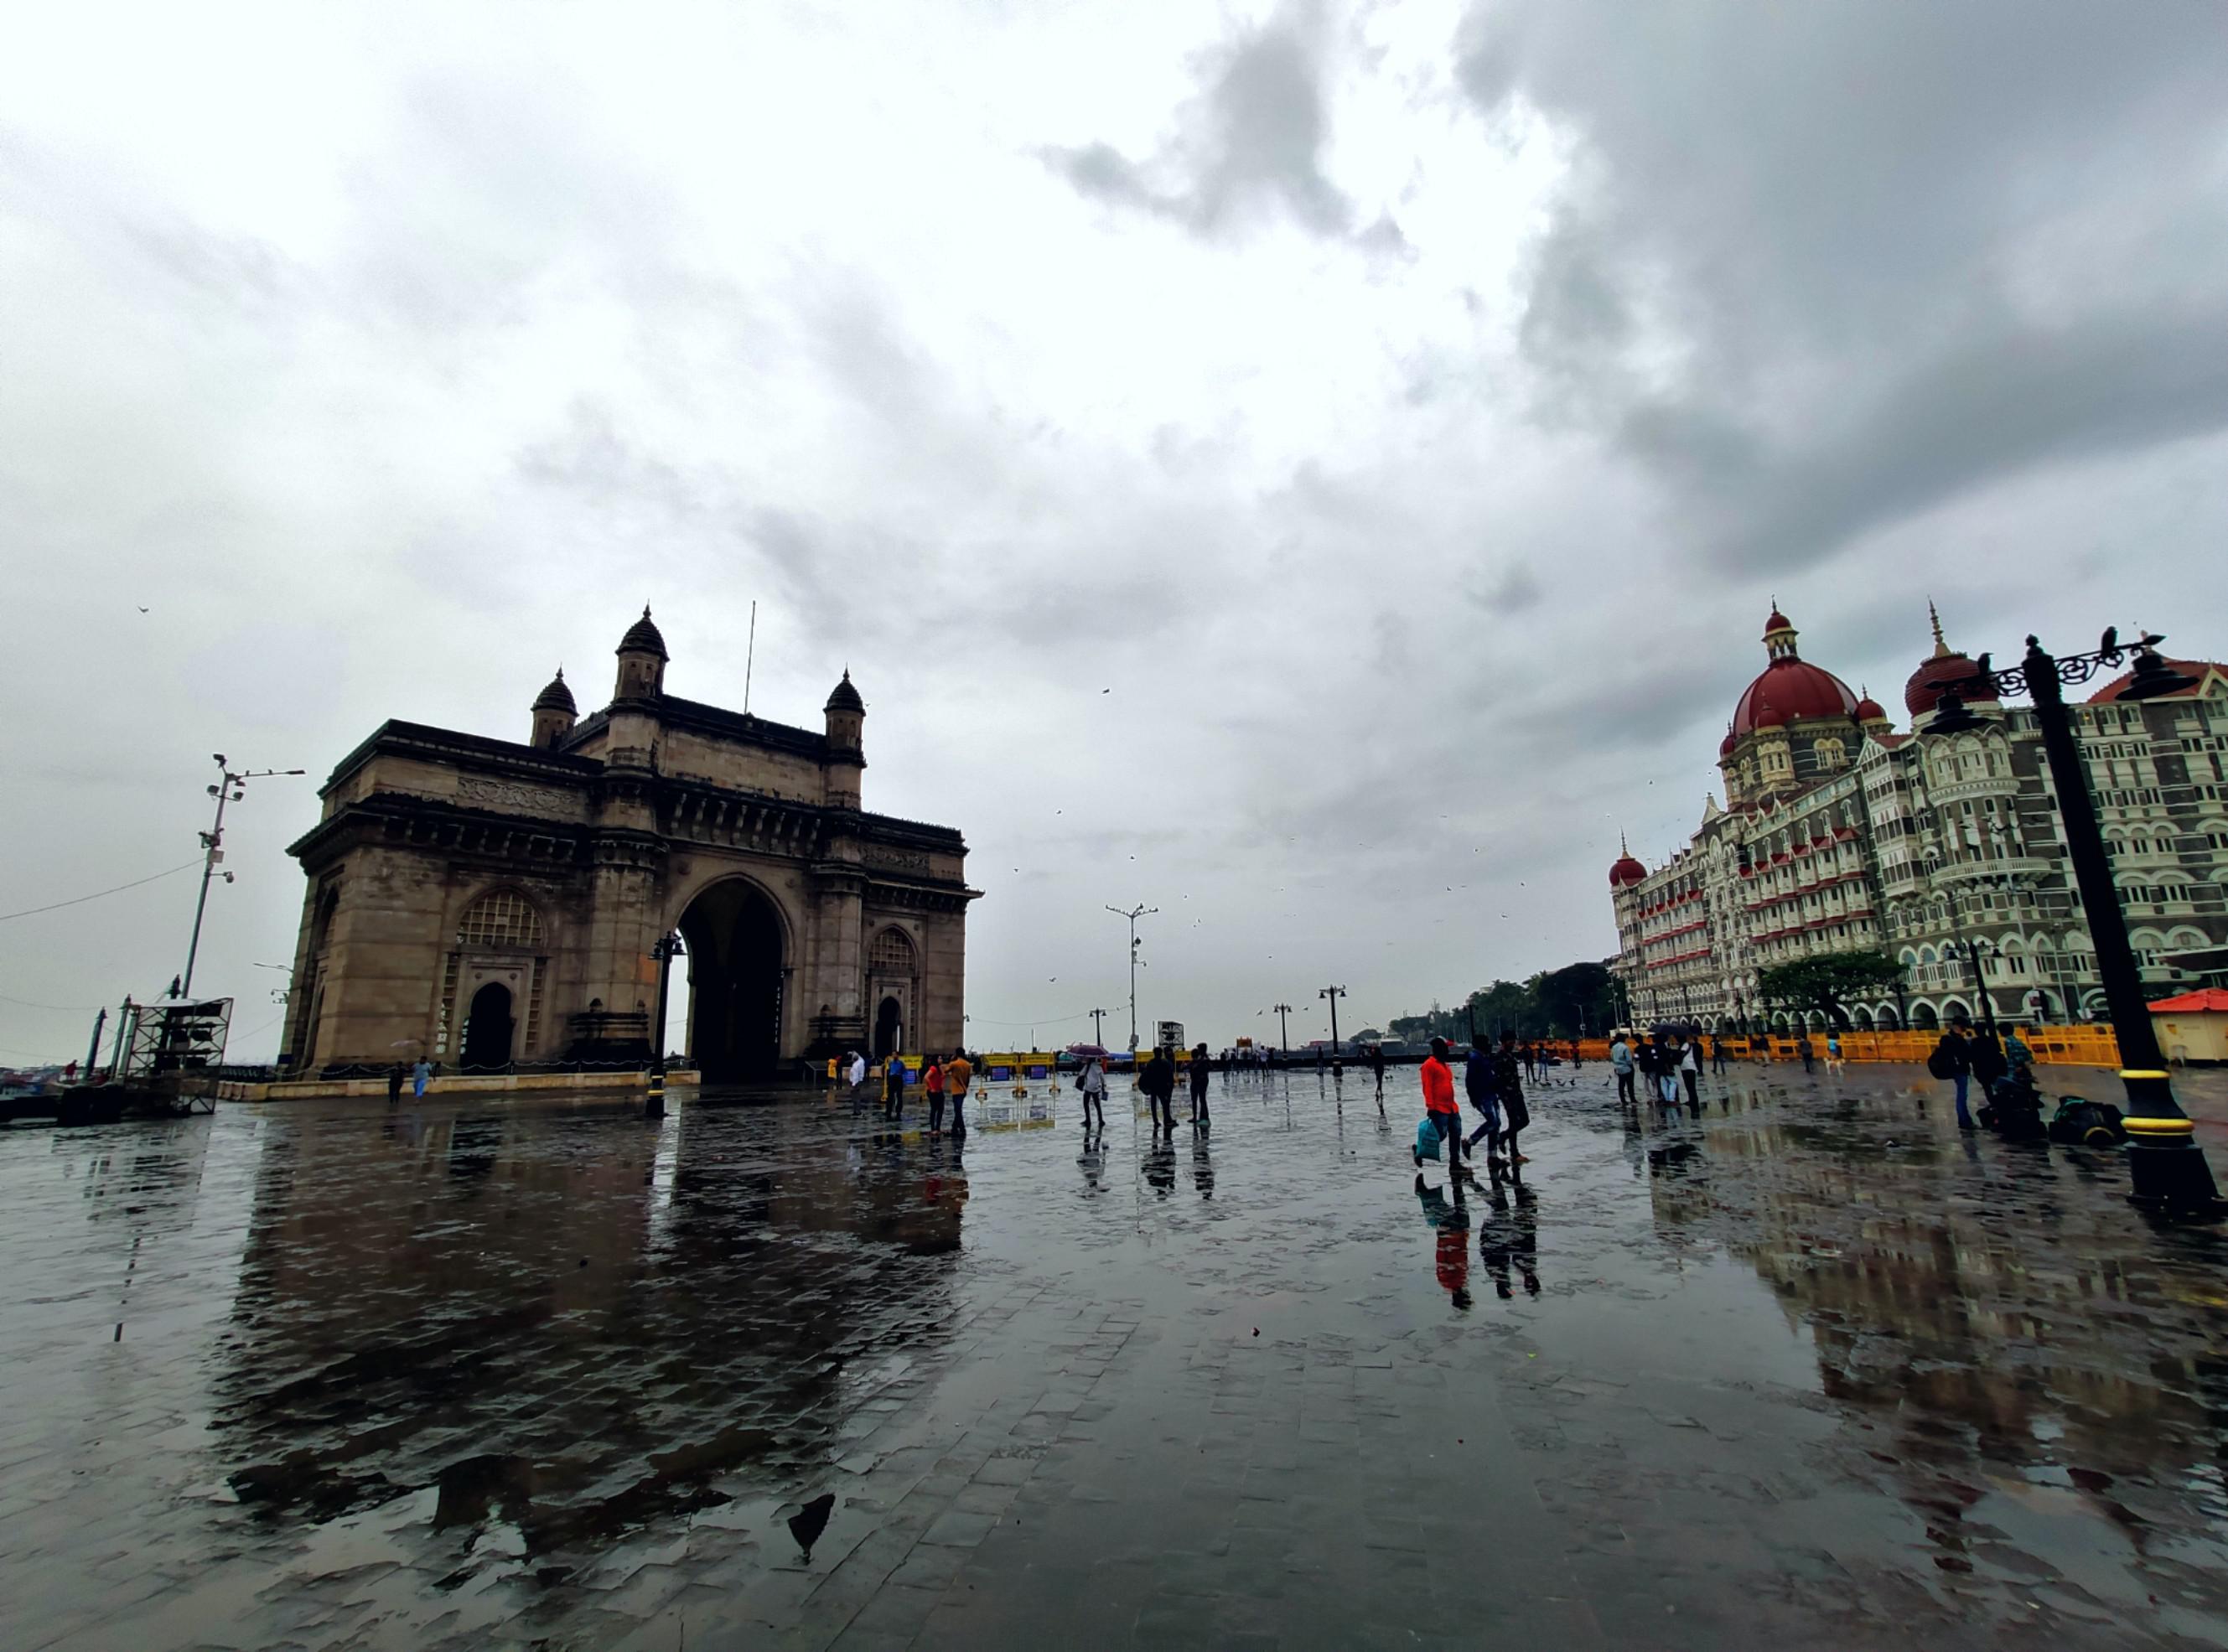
[(1097, 1035), (1284, 1031), (227, 790), (1334, 994), (1133, 915), (2164, 1165)]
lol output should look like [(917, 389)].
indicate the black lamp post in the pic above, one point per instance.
[(2164, 1165), (665, 949)]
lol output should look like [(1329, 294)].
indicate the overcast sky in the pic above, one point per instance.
[(1319, 470)]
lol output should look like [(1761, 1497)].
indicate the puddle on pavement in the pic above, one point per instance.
[(512, 1350)]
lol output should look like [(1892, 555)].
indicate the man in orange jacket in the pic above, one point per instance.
[(1439, 1105)]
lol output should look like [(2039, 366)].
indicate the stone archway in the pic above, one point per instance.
[(889, 1027), (487, 1026), (736, 948)]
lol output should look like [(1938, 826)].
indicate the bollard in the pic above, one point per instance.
[(653, 1105)]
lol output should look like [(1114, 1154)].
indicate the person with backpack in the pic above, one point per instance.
[(1092, 1081), (2020, 1058), (1508, 1084), (958, 1073), (1158, 1081), (1484, 1086), (1953, 1059)]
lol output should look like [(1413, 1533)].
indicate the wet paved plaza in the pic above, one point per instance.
[(1806, 1370)]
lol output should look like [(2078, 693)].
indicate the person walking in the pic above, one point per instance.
[(1669, 1053), (421, 1076), (1093, 1084), (1508, 1086), (1953, 1059), (1690, 1069), (1201, 1067), (1484, 1090), (1834, 1051), (932, 1085), (1158, 1081), (958, 1072), (1717, 1054), (1439, 1106), (894, 1083), (1802, 1049), (1620, 1063), (394, 1077), (1377, 1068)]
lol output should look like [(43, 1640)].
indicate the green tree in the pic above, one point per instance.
[(1577, 996), (1827, 981)]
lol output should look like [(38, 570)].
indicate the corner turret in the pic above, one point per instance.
[(847, 753), (555, 714), (642, 661)]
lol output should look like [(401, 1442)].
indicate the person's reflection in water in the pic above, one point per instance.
[(1496, 1238), (1161, 1167), (1202, 1166), (1450, 1246), (1527, 1249), (1093, 1162)]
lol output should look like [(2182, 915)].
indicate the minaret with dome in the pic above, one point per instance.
[(499, 903)]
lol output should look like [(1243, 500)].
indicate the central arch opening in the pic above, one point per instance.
[(486, 1029), (733, 937)]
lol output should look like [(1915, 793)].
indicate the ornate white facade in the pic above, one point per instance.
[(1841, 834)]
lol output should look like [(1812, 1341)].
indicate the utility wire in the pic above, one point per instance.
[(31, 911), (74, 1010)]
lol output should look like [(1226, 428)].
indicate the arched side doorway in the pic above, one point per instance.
[(894, 989), (735, 951), (486, 1029)]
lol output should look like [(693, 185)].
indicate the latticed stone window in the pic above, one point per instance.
[(501, 919), (892, 953)]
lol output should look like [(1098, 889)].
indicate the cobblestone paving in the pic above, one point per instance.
[(1806, 1369)]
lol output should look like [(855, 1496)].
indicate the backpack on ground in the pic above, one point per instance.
[(2082, 1123)]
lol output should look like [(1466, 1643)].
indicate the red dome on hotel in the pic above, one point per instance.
[(1627, 869), (1791, 687), (1870, 710), (1940, 671)]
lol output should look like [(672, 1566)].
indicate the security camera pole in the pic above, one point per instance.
[(227, 790), (1133, 915)]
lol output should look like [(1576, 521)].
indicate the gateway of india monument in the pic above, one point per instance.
[(490, 901)]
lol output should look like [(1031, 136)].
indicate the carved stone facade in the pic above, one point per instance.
[(496, 903)]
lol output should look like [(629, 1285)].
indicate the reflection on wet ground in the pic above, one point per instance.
[(1801, 1366)]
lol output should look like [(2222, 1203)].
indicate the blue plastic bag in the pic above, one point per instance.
[(1427, 1138)]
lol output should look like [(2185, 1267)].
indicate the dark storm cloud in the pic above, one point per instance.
[(1251, 144), (1824, 267)]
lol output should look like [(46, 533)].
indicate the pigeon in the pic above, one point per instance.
[(2105, 644), (1106, 691), (143, 610), (807, 1524)]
